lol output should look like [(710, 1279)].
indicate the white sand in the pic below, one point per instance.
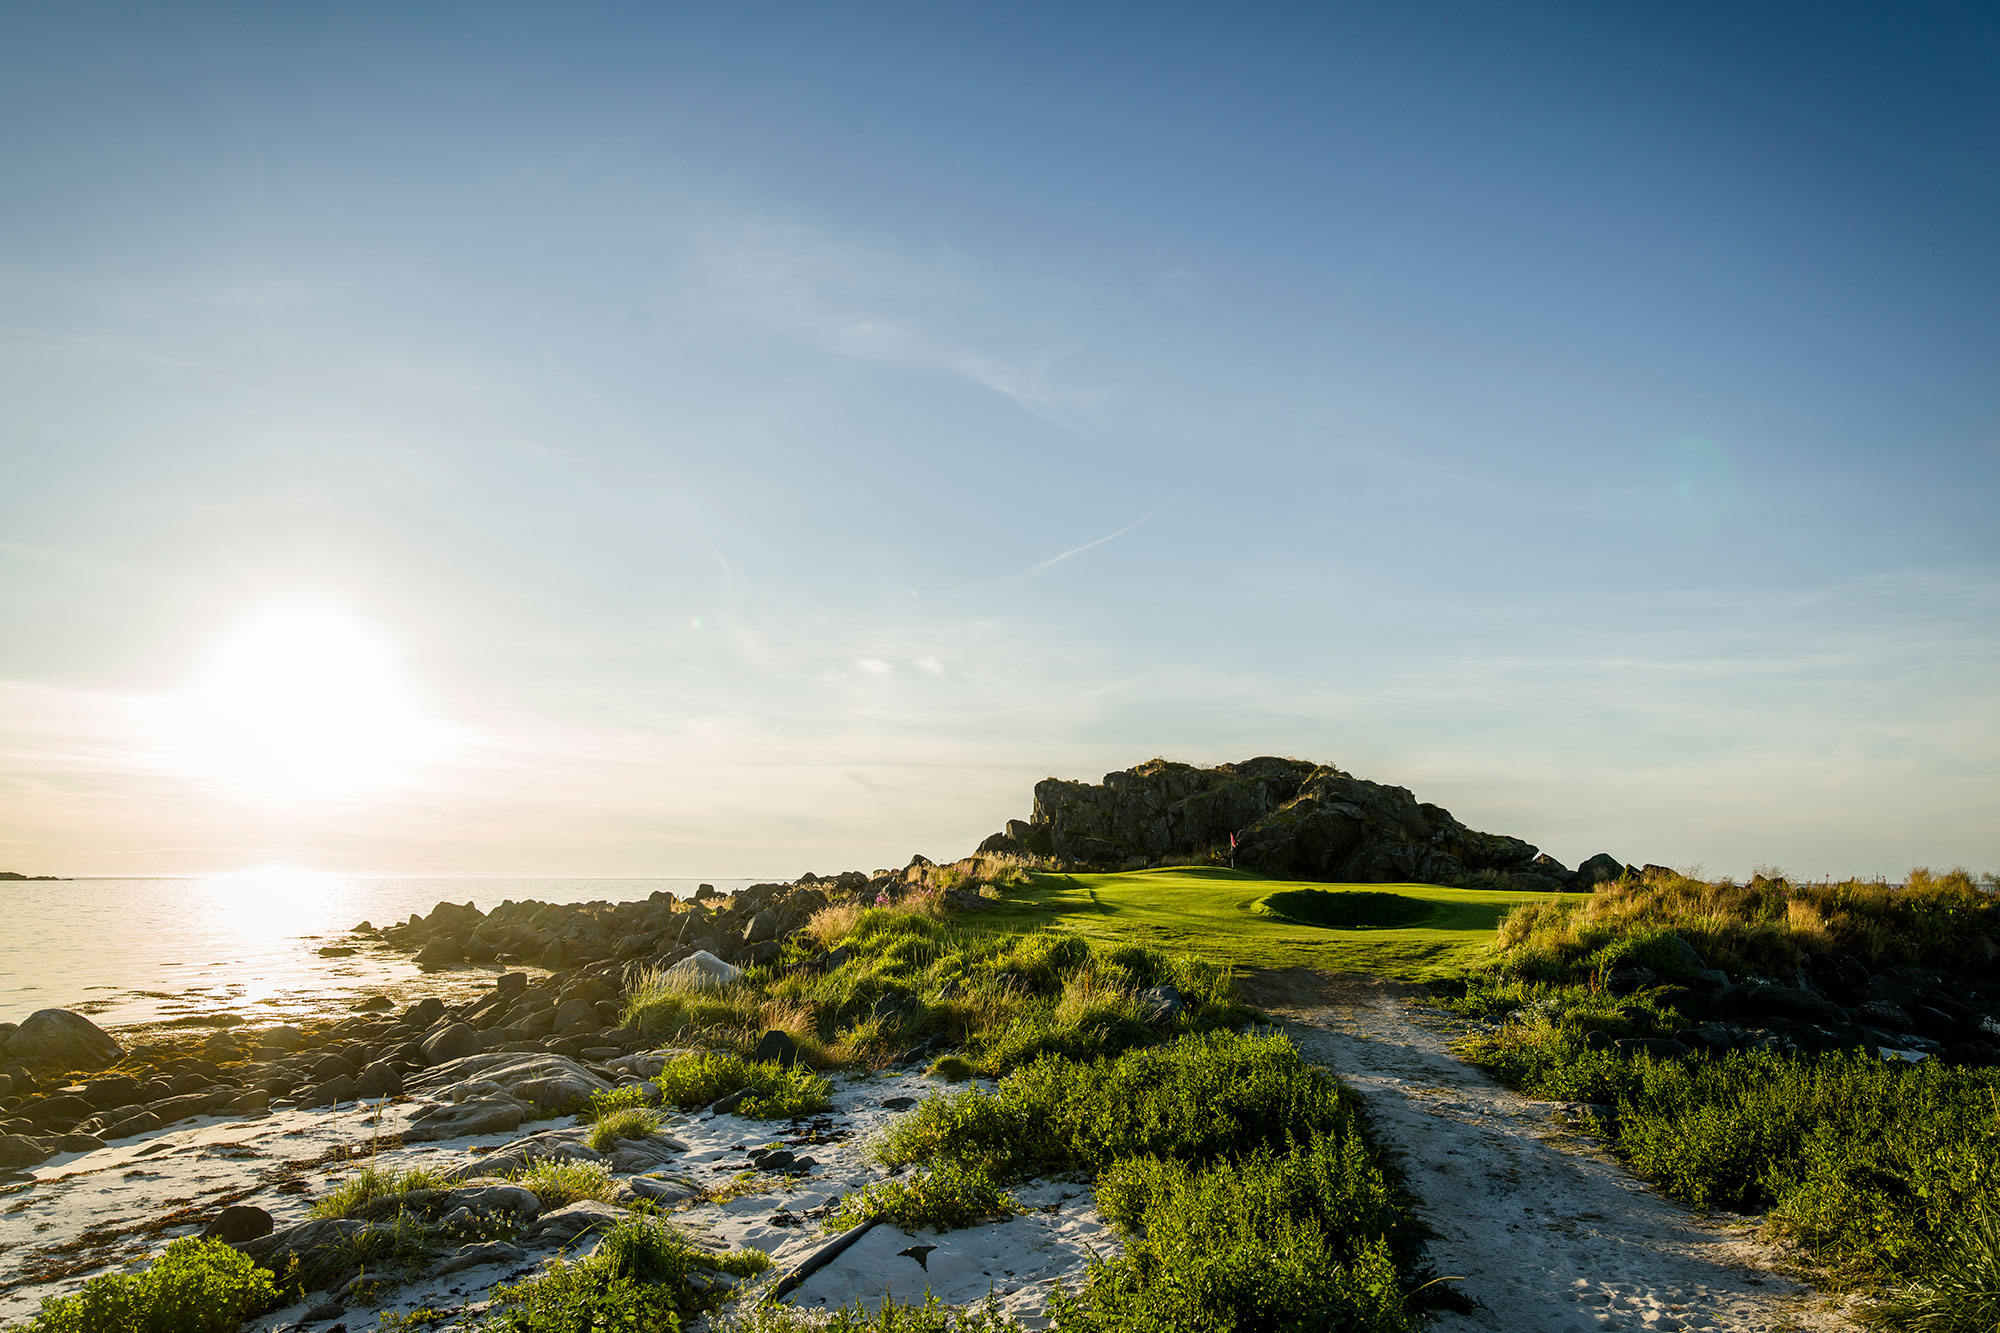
[(203, 1165)]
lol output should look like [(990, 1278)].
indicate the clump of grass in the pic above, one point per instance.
[(1962, 1293), (1195, 1099), (952, 1068), (642, 1276), (1277, 1240), (633, 1122), (776, 1092), (368, 1191), (946, 1199), (197, 1286), (558, 1183)]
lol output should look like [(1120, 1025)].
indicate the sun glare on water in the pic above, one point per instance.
[(300, 703)]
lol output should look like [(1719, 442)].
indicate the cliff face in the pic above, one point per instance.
[(1290, 817)]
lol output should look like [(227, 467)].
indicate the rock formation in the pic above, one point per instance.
[(1289, 817)]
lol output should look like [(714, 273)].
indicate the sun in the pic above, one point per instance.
[(299, 702)]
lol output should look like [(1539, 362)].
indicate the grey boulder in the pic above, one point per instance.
[(565, 1225), (63, 1039), (463, 1120)]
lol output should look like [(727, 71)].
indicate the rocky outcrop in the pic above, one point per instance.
[(1287, 817)]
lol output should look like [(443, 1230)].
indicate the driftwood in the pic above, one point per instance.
[(819, 1259)]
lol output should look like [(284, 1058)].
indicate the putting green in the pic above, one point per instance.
[(1227, 915)]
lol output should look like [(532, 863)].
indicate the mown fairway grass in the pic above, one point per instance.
[(1221, 915)]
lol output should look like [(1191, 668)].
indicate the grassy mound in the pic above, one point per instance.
[(1349, 909), (1886, 1174), (1221, 914)]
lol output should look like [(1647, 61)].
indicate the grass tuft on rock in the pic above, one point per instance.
[(632, 1122), (558, 1184), (776, 1092), (367, 1191)]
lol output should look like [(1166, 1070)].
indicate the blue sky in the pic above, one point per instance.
[(774, 438)]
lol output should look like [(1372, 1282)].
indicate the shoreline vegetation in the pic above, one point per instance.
[(1825, 1056)]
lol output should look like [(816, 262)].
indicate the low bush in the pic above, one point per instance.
[(197, 1286), (946, 1199), (641, 1278), (613, 1100), (1277, 1241), (776, 1092), (1193, 1100)]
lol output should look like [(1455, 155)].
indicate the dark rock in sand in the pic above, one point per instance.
[(511, 983), (142, 1122), (564, 1225), (106, 1093), (776, 1045), (237, 1223), (424, 1013), (64, 1040)]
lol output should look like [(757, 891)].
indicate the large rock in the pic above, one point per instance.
[(450, 1043), (700, 970), (64, 1040), (565, 1225), (543, 1082), (18, 1151), (1289, 817), (465, 1119), (237, 1223)]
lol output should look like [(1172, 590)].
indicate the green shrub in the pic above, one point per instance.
[(573, 1298), (633, 1122), (638, 1280), (613, 1100), (197, 1286), (776, 1092), (1195, 1099), (1277, 1241), (946, 1199), (952, 1068)]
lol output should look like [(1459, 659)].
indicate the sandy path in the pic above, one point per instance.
[(1545, 1230)]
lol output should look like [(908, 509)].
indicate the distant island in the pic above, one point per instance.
[(15, 874)]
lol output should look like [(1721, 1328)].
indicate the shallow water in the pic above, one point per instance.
[(146, 951)]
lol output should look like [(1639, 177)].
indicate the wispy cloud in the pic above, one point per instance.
[(885, 306), (1060, 557)]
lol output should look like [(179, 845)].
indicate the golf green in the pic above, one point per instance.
[(1423, 930)]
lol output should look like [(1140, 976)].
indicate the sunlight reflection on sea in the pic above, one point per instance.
[(187, 951)]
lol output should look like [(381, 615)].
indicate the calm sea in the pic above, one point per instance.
[(148, 951)]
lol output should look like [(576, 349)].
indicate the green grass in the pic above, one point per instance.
[(933, 1316), (776, 1092), (197, 1286), (1226, 916)]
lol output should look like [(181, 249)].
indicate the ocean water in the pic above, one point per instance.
[(187, 951)]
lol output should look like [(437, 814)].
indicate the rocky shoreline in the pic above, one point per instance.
[(468, 1078)]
